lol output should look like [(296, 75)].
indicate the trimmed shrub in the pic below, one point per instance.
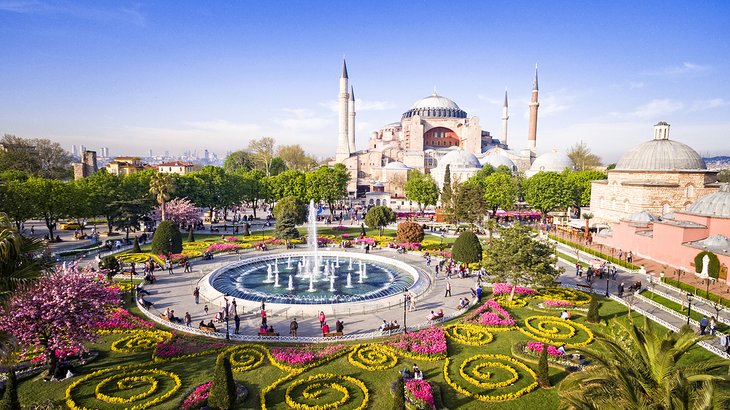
[(10, 397), (286, 228), (223, 392), (410, 232), (691, 289), (135, 246), (590, 251), (167, 239), (543, 372), (467, 248), (111, 265), (399, 400), (291, 207), (191, 235), (593, 316), (713, 267)]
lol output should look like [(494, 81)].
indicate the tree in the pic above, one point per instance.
[(446, 191), (469, 203), (724, 175), (290, 183), (295, 158), (582, 157), (646, 370), (102, 190), (128, 215), (592, 316), (546, 192), (579, 185), (262, 152), (291, 207), (10, 396), (327, 184), (467, 248), (182, 212), (421, 189), (53, 199), (255, 188), (162, 186), (109, 264), (191, 235), (519, 260), (167, 239), (223, 391), (58, 312), (500, 191), (39, 157), (543, 371), (410, 232), (16, 201), (238, 161), (378, 217)]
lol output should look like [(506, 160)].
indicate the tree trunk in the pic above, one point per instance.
[(512, 292), (49, 225), (162, 210)]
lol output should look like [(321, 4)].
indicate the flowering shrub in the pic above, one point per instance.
[(340, 228), (491, 314), (429, 342), (298, 356), (414, 246), (232, 239), (198, 397), (222, 247), (372, 357), (500, 288), (420, 394), (537, 348), (180, 346), (369, 241), (323, 241), (120, 318), (558, 303)]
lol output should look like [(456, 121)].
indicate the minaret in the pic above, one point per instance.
[(532, 134), (351, 121), (343, 146), (505, 117)]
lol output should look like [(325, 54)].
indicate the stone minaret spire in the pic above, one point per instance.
[(505, 117), (343, 146), (351, 120), (532, 134)]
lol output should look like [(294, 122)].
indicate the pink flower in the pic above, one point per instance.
[(420, 390), (120, 318), (429, 341), (491, 314), (198, 396), (500, 288), (537, 347), (222, 247), (297, 356), (558, 303)]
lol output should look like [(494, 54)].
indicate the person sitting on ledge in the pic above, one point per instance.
[(431, 316), (325, 328), (384, 325), (270, 329), (212, 326), (202, 323)]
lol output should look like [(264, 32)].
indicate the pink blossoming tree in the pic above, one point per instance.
[(180, 211), (58, 313)]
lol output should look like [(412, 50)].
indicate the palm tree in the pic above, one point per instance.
[(162, 186), (19, 266), (644, 371), (587, 216)]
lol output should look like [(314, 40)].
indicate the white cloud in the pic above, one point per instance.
[(657, 108), (636, 84), (681, 70), (702, 105), (302, 119)]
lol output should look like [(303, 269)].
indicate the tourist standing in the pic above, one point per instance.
[(263, 318), (621, 290), (703, 325), (237, 321), (196, 293), (188, 319), (293, 328), (339, 326), (448, 289), (322, 318), (713, 323)]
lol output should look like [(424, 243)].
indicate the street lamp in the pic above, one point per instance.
[(131, 284), (228, 336), (689, 306), (169, 248), (405, 310), (608, 276)]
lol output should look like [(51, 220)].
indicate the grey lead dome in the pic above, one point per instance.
[(716, 204), (661, 155)]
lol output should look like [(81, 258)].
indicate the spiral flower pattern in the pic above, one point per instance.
[(327, 391), (140, 341), (468, 334), (565, 294), (492, 377), (246, 357), (372, 357), (557, 331), (130, 388)]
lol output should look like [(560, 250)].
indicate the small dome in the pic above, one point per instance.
[(661, 155), (435, 106), (495, 158), (459, 159), (642, 217), (554, 161), (397, 165), (716, 204)]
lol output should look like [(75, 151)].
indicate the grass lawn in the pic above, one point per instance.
[(679, 309), (197, 370)]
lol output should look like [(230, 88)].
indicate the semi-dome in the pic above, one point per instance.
[(716, 204), (435, 106), (459, 159), (661, 154), (554, 161), (495, 158), (397, 165)]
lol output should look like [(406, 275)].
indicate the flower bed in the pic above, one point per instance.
[(549, 329), (372, 357), (558, 303), (492, 315), (305, 394), (301, 356), (180, 347), (246, 357), (566, 295), (120, 318), (501, 288), (369, 241), (468, 334), (536, 347), (419, 395), (472, 372), (198, 397), (222, 247), (427, 344)]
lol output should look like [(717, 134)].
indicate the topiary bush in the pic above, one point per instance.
[(543, 372), (399, 400), (135, 246), (467, 248), (223, 392), (593, 316), (409, 232), (291, 207), (713, 267), (286, 228), (167, 239)]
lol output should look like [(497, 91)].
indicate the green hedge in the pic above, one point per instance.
[(591, 251), (696, 291)]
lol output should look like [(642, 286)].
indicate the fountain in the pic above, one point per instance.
[(268, 275), (288, 263), (360, 274), (365, 270), (337, 261), (332, 283), (312, 236), (311, 284), (276, 280), (276, 265), (291, 283), (350, 267), (349, 280)]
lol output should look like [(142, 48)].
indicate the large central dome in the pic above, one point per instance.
[(435, 106), (661, 154)]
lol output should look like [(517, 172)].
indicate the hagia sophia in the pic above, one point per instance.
[(430, 135)]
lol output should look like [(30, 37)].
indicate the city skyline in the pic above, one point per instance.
[(134, 77)]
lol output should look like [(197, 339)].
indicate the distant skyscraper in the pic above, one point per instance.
[(167, 154), (150, 153), (73, 151), (206, 156)]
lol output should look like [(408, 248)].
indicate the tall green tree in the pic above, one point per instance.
[(421, 189), (38, 157), (327, 184), (238, 161), (99, 192), (546, 192), (255, 188), (129, 214), (579, 185), (291, 207), (467, 248), (296, 158), (582, 157), (209, 188), (645, 370), (515, 257), (223, 392), (162, 186), (469, 203), (378, 217), (500, 191), (290, 183), (446, 190), (54, 200), (16, 201)]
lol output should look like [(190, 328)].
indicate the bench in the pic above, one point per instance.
[(389, 328), (268, 333), (165, 318), (332, 334), (437, 317), (207, 329)]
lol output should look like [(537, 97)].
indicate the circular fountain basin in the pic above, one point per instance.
[(381, 282)]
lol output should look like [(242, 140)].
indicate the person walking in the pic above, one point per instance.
[(237, 321), (188, 319), (339, 326), (293, 326), (322, 318), (412, 307), (713, 323), (703, 325), (448, 289), (479, 294), (621, 290), (263, 318), (196, 293)]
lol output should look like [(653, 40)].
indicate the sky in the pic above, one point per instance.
[(185, 75)]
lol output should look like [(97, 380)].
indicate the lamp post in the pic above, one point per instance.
[(608, 276), (169, 248), (405, 311), (228, 336), (131, 285), (689, 306)]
